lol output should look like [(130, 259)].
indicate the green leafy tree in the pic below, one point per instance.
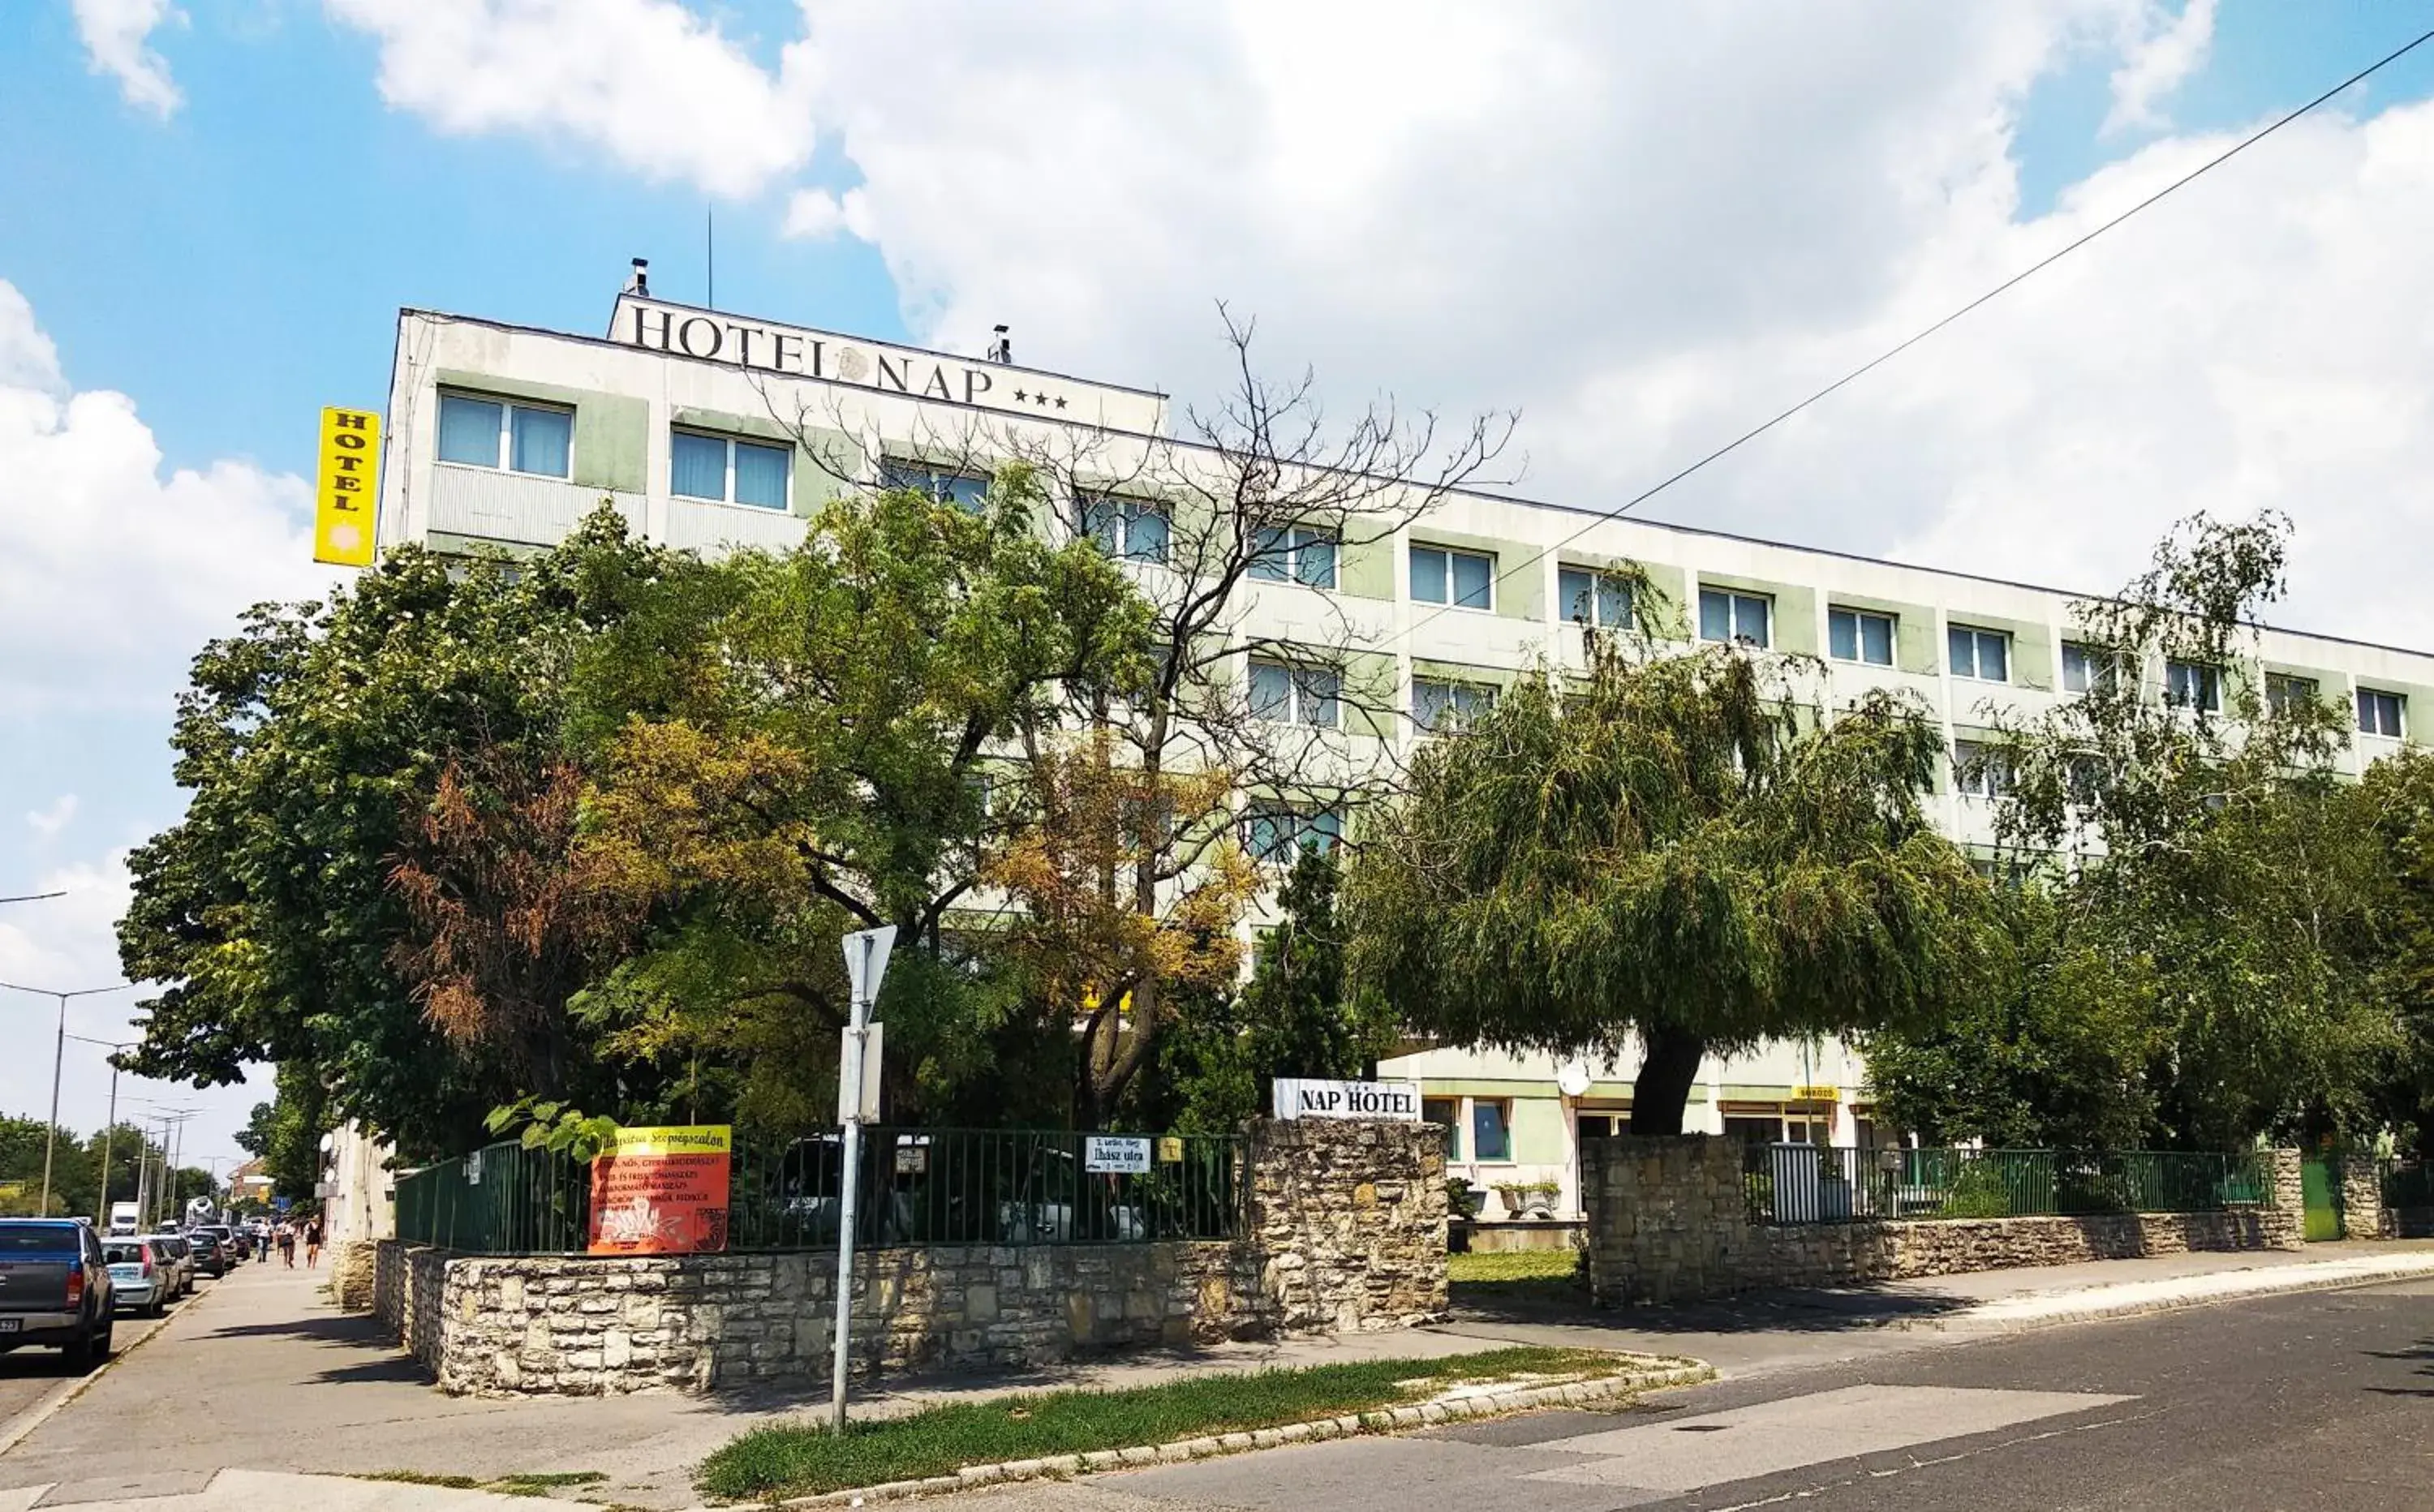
[(312, 743), (2201, 846), (2059, 1051), (1295, 1018), (837, 760), (1668, 853), (2398, 794)]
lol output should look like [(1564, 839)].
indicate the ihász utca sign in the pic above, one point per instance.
[(662, 1191)]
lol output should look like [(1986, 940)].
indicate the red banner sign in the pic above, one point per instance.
[(662, 1192)]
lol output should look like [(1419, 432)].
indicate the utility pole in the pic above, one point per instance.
[(108, 1130), (865, 963), (58, 1054)]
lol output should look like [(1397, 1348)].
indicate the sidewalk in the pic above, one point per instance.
[(1766, 1332), (262, 1374)]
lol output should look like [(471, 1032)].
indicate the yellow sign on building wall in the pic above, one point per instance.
[(346, 501)]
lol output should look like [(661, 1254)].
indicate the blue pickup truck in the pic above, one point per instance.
[(55, 1288)]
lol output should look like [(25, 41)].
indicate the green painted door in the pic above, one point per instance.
[(2319, 1186)]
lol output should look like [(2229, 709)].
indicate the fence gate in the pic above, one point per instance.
[(2320, 1182)]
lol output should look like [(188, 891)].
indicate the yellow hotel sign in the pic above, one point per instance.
[(347, 499)]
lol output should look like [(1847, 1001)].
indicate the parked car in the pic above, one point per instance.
[(210, 1259), (55, 1289), (140, 1275), (234, 1240), (181, 1262)]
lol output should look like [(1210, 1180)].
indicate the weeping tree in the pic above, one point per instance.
[(1672, 852)]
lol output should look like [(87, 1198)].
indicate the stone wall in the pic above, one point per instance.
[(1669, 1223), (1348, 1223), (2361, 1176), (351, 1274), (1344, 1229)]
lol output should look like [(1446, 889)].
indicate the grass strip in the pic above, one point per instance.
[(800, 1460), (1514, 1264)]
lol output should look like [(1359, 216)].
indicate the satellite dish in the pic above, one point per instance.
[(1572, 1079)]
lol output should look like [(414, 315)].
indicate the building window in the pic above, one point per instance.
[(1295, 555), (2193, 685), (2087, 669), (1980, 770), (714, 466), (506, 434), (1601, 1126), (1133, 529), (1295, 696), (965, 490), (1587, 598), (1446, 1112), (2286, 694), (2380, 713), (1491, 1130), (1278, 833), (2084, 777), (1466, 580), (1855, 634), (1984, 654), (1744, 1129), (1736, 617), (1439, 704)]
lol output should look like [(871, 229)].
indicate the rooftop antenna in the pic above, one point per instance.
[(1001, 349), (710, 256)]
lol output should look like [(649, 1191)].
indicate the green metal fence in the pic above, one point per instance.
[(1824, 1183), (919, 1186)]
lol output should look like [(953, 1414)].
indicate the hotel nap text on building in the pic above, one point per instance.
[(708, 430)]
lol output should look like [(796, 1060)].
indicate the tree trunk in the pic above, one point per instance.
[(1663, 1088)]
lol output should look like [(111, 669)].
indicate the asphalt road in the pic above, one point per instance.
[(2319, 1401), (28, 1375)]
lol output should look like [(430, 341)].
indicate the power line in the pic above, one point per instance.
[(1888, 354)]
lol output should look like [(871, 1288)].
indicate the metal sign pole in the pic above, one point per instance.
[(866, 962)]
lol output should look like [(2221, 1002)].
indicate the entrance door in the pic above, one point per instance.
[(2320, 1183)]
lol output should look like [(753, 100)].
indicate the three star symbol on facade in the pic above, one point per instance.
[(1026, 397)]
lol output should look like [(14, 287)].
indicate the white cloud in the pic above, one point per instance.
[(49, 821), (815, 214), (1648, 228), (112, 575), (2161, 53), (117, 38), (659, 88)]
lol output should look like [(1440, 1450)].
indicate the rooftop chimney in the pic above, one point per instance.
[(642, 281), (1001, 349)]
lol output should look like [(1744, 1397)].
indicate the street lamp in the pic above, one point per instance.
[(170, 1119), (109, 1127), (32, 897), (58, 1054)]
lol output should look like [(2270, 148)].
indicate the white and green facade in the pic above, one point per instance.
[(709, 429)]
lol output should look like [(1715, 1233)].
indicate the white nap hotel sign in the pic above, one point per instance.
[(1299, 1099), (796, 351)]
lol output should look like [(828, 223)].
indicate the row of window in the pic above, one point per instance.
[(1313, 696), (516, 435)]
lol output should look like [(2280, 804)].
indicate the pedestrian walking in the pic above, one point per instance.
[(312, 1241), (287, 1245)]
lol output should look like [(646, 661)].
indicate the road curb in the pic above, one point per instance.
[(1992, 1317), (1675, 1372)]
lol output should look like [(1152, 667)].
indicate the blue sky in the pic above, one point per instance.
[(1585, 213)]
